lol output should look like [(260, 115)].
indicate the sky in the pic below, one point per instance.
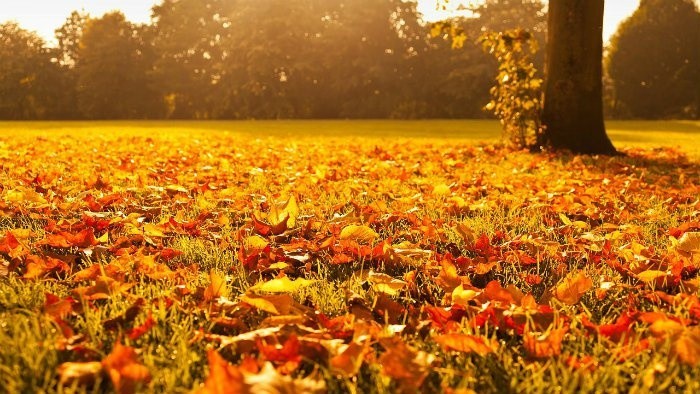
[(44, 16)]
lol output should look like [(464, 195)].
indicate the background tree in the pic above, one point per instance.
[(29, 76), (654, 61), (573, 98), (68, 37), (113, 71), (189, 36)]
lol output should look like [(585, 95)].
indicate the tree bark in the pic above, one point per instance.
[(573, 101)]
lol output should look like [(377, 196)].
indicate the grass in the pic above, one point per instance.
[(423, 186), (623, 133)]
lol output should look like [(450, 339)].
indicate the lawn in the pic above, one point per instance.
[(331, 256)]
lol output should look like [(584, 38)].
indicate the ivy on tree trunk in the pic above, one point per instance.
[(573, 101)]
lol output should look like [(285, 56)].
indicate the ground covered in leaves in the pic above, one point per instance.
[(208, 262)]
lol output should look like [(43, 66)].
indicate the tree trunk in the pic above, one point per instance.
[(573, 101)]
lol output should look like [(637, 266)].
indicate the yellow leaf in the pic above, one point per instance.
[(152, 230), (217, 286), (360, 234), (689, 242), (254, 243), (565, 219), (653, 278), (384, 283), (442, 190), (570, 290), (282, 285), (462, 296), (288, 210)]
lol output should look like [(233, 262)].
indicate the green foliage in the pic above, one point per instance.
[(113, 63), (654, 62), (29, 81), (517, 95)]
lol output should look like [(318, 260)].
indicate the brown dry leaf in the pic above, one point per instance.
[(217, 287), (359, 234), (467, 343), (572, 288), (404, 364), (81, 374), (126, 373), (223, 377)]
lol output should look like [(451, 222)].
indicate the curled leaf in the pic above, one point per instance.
[(359, 234)]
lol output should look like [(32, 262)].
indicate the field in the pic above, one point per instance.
[(331, 256)]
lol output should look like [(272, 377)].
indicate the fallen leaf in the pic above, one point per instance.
[(126, 373), (573, 287), (282, 285), (538, 345), (217, 286), (223, 377), (79, 374), (467, 343), (359, 234), (349, 360), (689, 242)]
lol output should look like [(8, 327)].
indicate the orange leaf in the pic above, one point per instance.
[(404, 364), (687, 347), (349, 361), (466, 343), (544, 345), (126, 373), (223, 377), (572, 288)]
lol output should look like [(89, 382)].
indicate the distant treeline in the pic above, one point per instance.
[(234, 59)]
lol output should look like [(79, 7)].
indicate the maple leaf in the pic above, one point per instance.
[(124, 370), (572, 288), (38, 267), (137, 332), (66, 240)]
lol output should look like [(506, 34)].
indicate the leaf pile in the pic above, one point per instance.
[(207, 262)]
